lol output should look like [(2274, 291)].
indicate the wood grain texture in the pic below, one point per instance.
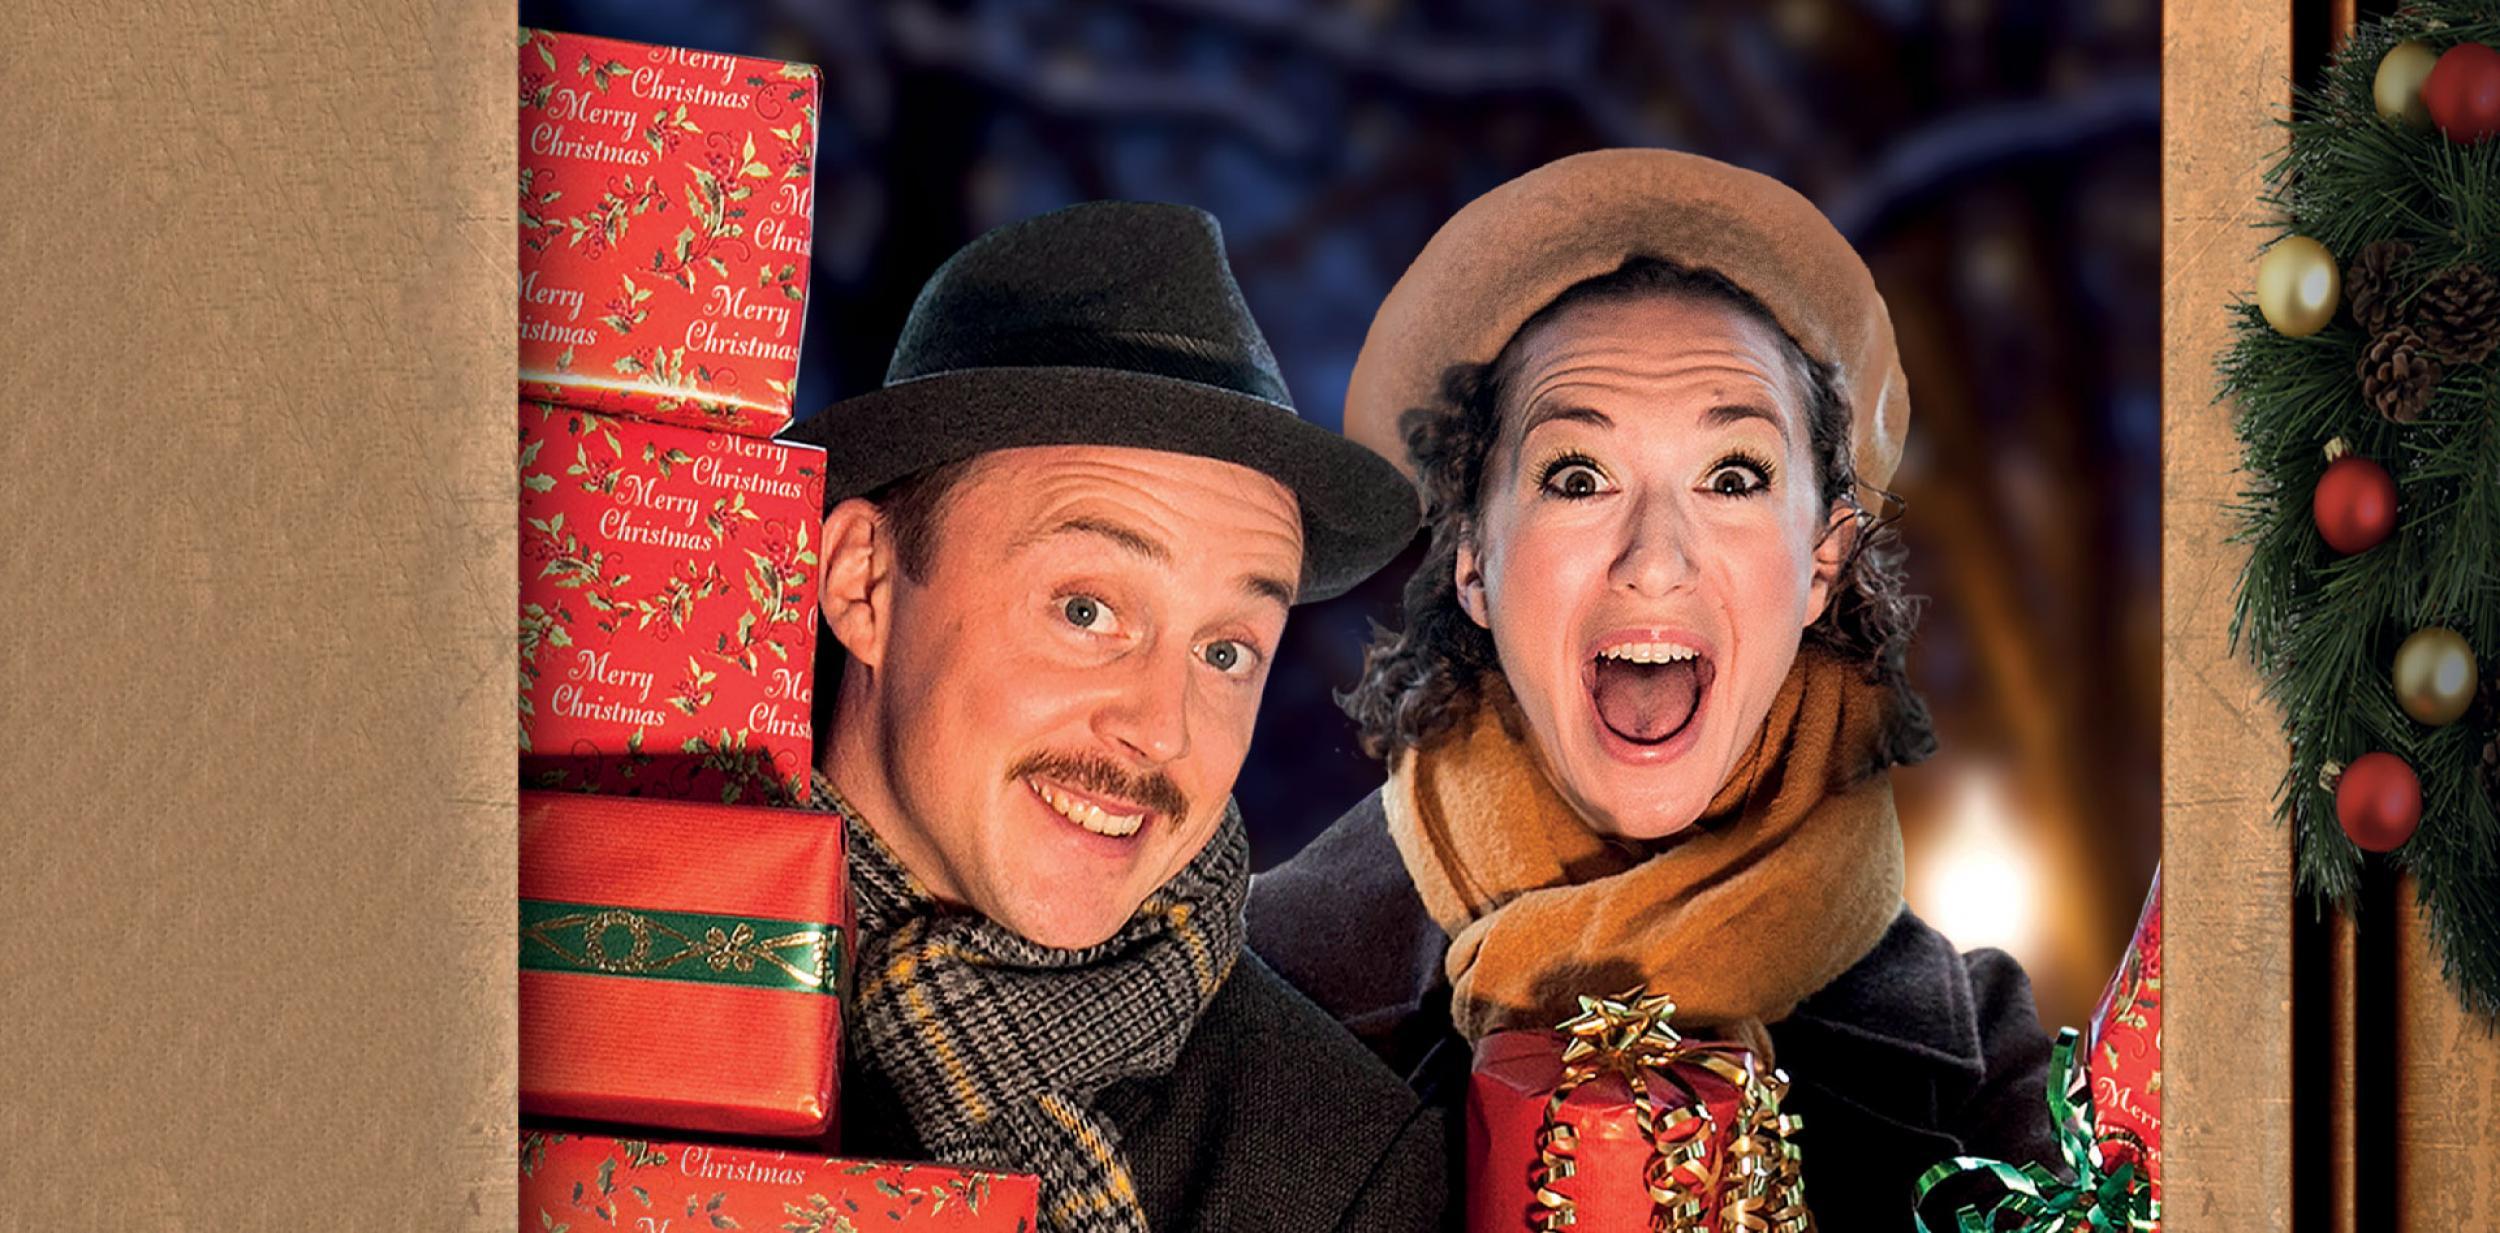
[(259, 599), (2447, 1094), (2227, 870)]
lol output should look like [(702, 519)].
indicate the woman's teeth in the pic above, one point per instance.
[(1649, 652), (1087, 815)]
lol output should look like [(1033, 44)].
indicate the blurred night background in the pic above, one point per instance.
[(1995, 160)]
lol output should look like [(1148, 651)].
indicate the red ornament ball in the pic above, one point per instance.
[(2378, 801), (2355, 504), (2463, 93)]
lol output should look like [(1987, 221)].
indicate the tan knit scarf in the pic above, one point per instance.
[(1791, 876)]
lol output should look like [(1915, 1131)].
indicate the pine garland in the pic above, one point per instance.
[(2323, 629)]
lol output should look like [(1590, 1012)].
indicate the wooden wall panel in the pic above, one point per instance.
[(2226, 863)]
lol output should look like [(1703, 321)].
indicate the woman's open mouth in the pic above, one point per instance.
[(1648, 690)]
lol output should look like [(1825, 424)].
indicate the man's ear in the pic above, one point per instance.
[(857, 591), (1840, 537), (1468, 573)]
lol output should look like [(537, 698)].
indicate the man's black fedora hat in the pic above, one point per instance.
[(1109, 323)]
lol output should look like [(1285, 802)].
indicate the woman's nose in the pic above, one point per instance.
[(1654, 557)]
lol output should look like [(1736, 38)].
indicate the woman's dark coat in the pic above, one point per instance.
[(1273, 1119), (1916, 1054)]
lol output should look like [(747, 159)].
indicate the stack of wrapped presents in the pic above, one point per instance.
[(683, 916)]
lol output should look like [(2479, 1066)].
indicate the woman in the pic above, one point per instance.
[(1639, 721)]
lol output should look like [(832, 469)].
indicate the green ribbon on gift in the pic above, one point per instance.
[(2100, 1199), (750, 951)]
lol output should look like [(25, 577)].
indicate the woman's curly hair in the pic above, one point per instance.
[(1419, 682)]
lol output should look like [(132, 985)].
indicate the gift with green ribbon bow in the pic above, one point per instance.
[(681, 964), (2105, 1106)]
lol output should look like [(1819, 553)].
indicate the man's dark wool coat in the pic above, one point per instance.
[(1272, 1119), (1916, 1054)]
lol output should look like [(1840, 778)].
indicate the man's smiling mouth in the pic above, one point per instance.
[(1085, 813)]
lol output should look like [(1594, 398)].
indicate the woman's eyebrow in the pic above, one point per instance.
[(1550, 412), (1729, 413)]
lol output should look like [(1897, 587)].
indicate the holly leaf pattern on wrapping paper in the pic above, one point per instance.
[(818, 1216), (662, 134), (694, 690), (602, 226), (575, 567), (600, 74), (728, 514), (666, 461), (799, 149), (668, 368), (540, 629), (535, 481), (539, 223), (746, 772), (597, 474), (778, 590), (673, 604), (716, 200), (533, 1151), (541, 41), (626, 308), (786, 278)]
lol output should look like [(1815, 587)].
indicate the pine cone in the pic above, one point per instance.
[(2459, 314), (2399, 374), (2370, 289)]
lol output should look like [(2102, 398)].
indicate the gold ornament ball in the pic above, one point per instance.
[(2298, 286), (2398, 87), (2435, 676)]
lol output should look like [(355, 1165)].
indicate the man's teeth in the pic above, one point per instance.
[(1649, 652), (1086, 814)]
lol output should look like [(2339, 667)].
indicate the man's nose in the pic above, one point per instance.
[(1146, 712)]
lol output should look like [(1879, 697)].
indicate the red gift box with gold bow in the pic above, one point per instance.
[(1614, 1121), (586, 1182), (681, 964), (667, 210), (668, 608)]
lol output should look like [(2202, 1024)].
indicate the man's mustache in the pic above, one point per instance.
[(1098, 774)]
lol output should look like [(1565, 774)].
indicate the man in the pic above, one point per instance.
[(1060, 547)]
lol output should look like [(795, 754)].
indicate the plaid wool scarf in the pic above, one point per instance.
[(997, 1047)]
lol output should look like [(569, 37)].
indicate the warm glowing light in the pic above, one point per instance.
[(1976, 880)]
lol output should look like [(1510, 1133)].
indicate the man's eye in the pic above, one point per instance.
[(1086, 612), (1225, 656)]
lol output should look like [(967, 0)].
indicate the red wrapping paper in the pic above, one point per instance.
[(582, 1182), (668, 608), (2124, 1050), (1516, 1074), (686, 1054), (667, 208)]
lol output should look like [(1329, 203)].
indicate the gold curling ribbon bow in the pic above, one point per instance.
[(1750, 1176)]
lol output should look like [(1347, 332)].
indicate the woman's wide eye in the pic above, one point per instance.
[(1086, 612), (1737, 480), (1576, 479)]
